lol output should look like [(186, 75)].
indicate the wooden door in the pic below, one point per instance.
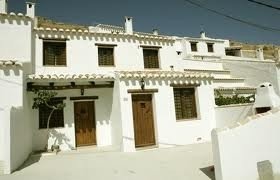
[(85, 129), (143, 121)]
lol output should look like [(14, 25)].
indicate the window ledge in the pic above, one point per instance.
[(106, 66), (54, 65), (152, 68), (186, 120), (45, 129)]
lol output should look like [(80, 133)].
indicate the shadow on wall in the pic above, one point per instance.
[(60, 138)]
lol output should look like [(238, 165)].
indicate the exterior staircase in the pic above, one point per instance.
[(225, 83)]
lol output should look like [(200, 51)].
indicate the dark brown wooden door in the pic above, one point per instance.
[(85, 129), (144, 133)]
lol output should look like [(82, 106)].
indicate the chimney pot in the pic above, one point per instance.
[(128, 25), (202, 35), (259, 53), (155, 31), (30, 9)]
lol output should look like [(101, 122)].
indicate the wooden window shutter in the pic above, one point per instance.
[(185, 106), (151, 58), (105, 56), (54, 53)]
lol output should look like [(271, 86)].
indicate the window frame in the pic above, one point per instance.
[(151, 48), (193, 43), (106, 46), (64, 41), (195, 115), (43, 109), (210, 50)]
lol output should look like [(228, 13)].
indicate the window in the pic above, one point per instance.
[(185, 106), (151, 58), (57, 119), (106, 56), (194, 46), (210, 47), (54, 53)]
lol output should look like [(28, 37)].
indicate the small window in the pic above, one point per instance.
[(194, 46), (57, 118), (210, 47), (106, 56), (151, 58), (185, 106), (54, 53)]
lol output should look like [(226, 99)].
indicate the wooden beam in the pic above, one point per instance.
[(83, 97), (55, 39), (57, 98), (31, 87), (184, 85), (150, 47), (105, 45), (138, 91)]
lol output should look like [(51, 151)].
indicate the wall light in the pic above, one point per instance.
[(142, 84)]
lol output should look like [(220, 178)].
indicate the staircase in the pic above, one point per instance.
[(225, 83)]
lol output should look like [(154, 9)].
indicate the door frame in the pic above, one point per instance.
[(154, 118), (85, 100)]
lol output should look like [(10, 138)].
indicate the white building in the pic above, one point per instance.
[(123, 89)]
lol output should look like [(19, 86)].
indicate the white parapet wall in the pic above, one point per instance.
[(240, 151), (233, 113)]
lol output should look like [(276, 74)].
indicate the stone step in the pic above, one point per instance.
[(2, 167), (228, 82)]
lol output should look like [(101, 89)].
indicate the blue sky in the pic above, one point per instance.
[(172, 17)]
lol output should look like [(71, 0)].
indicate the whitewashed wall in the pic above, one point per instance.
[(82, 54), (15, 140), (254, 72), (197, 64), (168, 131), (15, 120), (65, 136), (218, 46), (116, 125), (230, 114), (237, 151), (15, 35)]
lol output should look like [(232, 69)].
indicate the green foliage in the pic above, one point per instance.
[(235, 99), (43, 97)]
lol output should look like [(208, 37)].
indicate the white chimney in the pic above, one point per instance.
[(202, 35), (259, 53), (266, 98), (30, 9), (155, 31), (3, 6), (128, 25)]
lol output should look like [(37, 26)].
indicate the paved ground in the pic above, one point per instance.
[(180, 163)]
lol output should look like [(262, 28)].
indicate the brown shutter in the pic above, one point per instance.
[(185, 106), (54, 53), (150, 58), (105, 56)]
